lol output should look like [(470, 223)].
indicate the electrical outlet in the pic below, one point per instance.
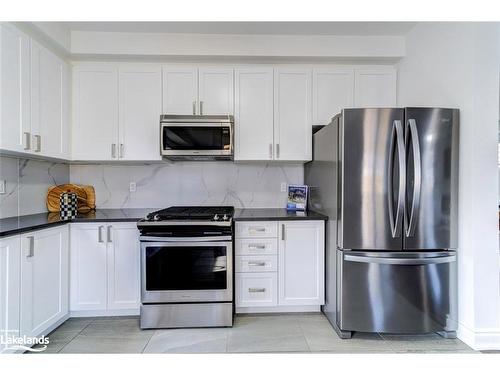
[(3, 186), (133, 187), (283, 187)]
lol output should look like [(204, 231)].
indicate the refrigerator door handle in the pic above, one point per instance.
[(401, 261), (417, 170), (397, 138)]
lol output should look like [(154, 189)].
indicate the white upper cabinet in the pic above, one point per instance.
[(292, 114), (139, 112), (95, 106), (301, 263), (375, 87), (216, 91), (44, 279), (180, 90), (50, 125), (15, 124), (333, 90), (253, 114)]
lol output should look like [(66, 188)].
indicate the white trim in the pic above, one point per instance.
[(278, 309), (479, 340), (98, 313)]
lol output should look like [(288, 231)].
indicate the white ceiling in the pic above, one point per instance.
[(258, 28)]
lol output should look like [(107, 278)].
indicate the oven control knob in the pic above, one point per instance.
[(216, 217), (156, 217), (225, 218)]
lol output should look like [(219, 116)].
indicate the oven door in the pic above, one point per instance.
[(186, 271), (178, 139)]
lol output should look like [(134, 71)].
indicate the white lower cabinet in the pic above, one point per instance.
[(105, 269), (10, 289), (44, 280), (283, 270), (302, 263)]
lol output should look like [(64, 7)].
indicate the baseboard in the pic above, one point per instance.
[(100, 313), (277, 309), (479, 340)]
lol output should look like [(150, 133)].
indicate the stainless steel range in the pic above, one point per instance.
[(187, 267)]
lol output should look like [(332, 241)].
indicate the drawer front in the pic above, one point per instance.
[(256, 263), (257, 246), (256, 289), (256, 229)]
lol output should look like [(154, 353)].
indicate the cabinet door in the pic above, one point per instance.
[(49, 103), (301, 263), (292, 114), (253, 114), (14, 89), (333, 89), (88, 267), (124, 266), (95, 130), (180, 90), (216, 91), (375, 87), (10, 279), (140, 110), (44, 279)]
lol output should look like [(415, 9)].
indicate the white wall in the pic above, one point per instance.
[(457, 65)]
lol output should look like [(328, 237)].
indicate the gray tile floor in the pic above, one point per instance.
[(250, 334)]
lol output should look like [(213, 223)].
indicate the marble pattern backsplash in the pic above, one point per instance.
[(27, 181), (188, 183)]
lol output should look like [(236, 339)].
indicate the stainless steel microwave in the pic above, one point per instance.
[(188, 137)]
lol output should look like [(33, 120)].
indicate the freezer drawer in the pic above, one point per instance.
[(396, 292)]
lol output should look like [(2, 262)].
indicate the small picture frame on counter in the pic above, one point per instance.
[(297, 197)]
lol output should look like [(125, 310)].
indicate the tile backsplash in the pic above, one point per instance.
[(188, 183), (27, 181)]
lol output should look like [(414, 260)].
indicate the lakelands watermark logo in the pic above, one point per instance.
[(11, 341)]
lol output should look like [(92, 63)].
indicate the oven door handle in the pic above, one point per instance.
[(184, 239)]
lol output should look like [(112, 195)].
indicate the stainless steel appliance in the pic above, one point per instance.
[(190, 137), (388, 179), (187, 267)]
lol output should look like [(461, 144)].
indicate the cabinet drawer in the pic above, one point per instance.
[(251, 229), (257, 263), (256, 289), (257, 246)]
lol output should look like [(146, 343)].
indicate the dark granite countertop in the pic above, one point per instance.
[(244, 214), (26, 223)]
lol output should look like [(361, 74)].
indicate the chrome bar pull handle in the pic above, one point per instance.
[(99, 234), (270, 150), (27, 140), (201, 107), (258, 264), (194, 107), (113, 150), (277, 150), (256, 290), (108, 234), (31, 247), (122, 150), (417, 171), (283, 232), (257, 247), (38, 140)]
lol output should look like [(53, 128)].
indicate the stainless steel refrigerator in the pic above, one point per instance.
[(388, 180)]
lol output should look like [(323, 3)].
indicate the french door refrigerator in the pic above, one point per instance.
[(388, 180)]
